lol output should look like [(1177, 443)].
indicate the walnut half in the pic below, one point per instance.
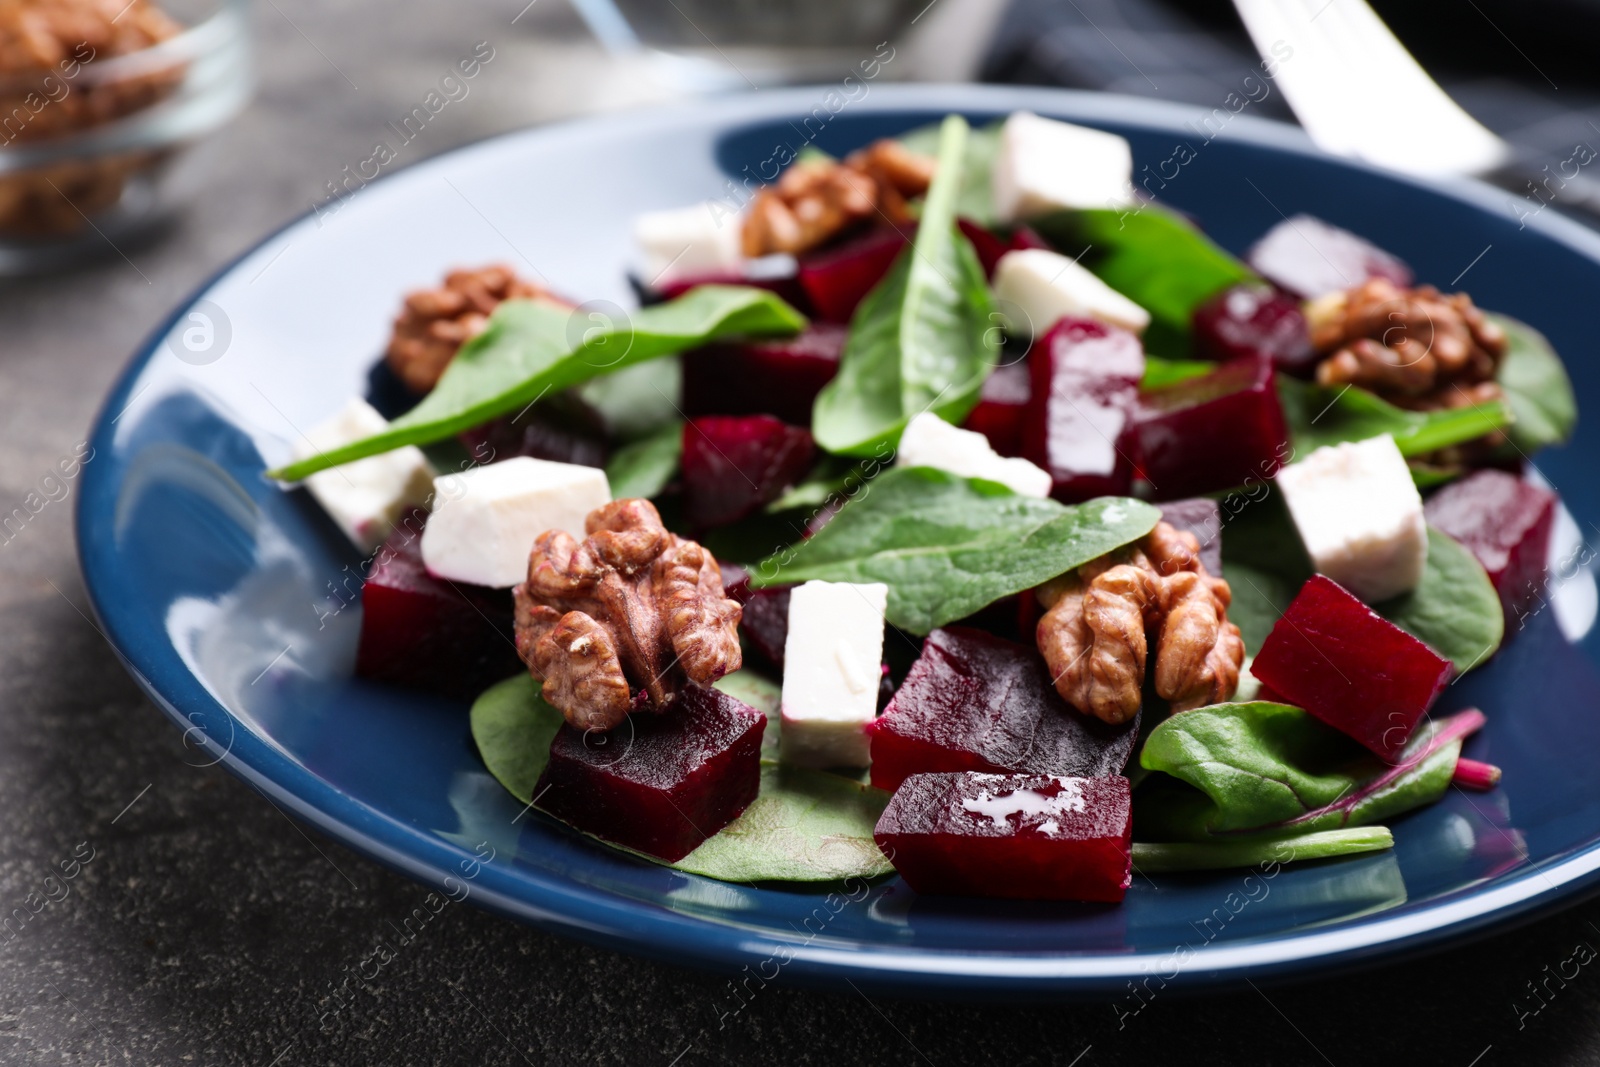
[(818, 200), (622, 620), (1096, 635), (433, 324), (1413, 347)]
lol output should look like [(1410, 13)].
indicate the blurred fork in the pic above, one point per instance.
[(1359, 93)]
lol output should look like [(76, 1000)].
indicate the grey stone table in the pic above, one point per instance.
[(204, 926)]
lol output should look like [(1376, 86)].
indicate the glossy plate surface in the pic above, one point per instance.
[(226, 596)]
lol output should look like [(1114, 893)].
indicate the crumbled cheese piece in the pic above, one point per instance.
[(1044, 166), (688, 242), (929, 441), (1360, 516), (831, 670), (485, 519), (1036, 288), (365, 498)]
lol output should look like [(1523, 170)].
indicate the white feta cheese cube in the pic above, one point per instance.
[(365, 498), (929, 441), (832, 664), (1360, 516), (686, 242), (1044, 166), (1036, 288), (485, 519)]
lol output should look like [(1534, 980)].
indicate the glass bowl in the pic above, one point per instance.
[(109, 164)]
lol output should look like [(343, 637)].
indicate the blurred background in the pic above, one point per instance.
[(183, 942)]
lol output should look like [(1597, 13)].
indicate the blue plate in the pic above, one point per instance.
[(234, 603)]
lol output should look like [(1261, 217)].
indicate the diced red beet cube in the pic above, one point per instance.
[(1000, 619), (1082, 397), (734, 465), (1027, 237), (989, 246), (1028, 612), (428, 633), (1270, 695), (662, 782), (786, 287), (1217, 431), (735, 581), (770, 628), (1505, 522), (567, 432), (1255, 322), (779, 377), (1350, 667), (1202, 517), (976, 702), (765, 624), (1001, 407), (835, 279), (1308, 257), (1017, 836)]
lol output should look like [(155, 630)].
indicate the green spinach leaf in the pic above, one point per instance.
[(975, 201), (1160, 372), (1263, 561), (1274, 770), (529, 350), (1156, 258), (1321, 415), (1260, 597), (1162, 857), (948, 546), (513, 727), (923, 339), (763, 694), (1454, 610), (644, 467), (1427, 476), (804, 826), (831, 476), (636, 401), (1536, 386)]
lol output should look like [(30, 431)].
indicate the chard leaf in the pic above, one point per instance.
[(922, 339), (1536, 386), (1322, 415), (1274, 770), (948, 546), (1454, 610), (804, 826), (1161, 857), (644, 467), (1154, 257), (529, 350)]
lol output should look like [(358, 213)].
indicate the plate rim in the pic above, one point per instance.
[(561, 906)]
